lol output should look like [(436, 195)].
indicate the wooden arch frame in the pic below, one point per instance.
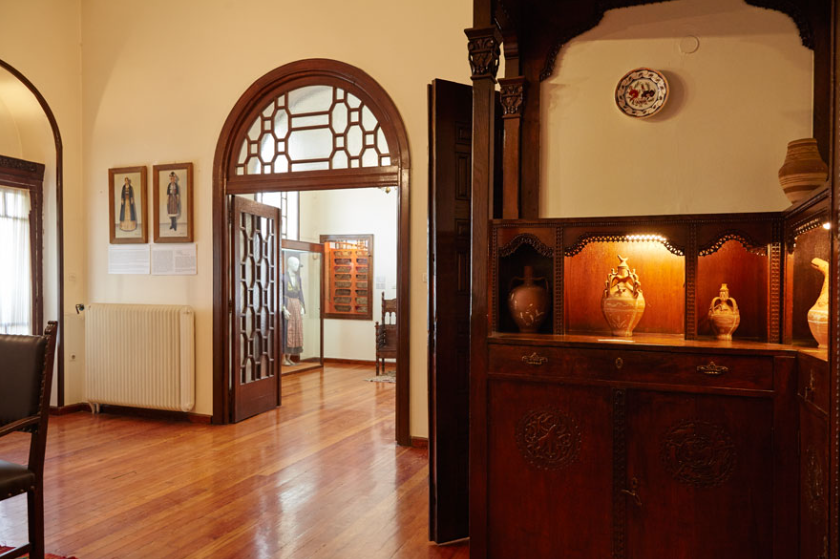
[(226, 182), (59, 219)]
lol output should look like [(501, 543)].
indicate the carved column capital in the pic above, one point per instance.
[(484, 51), (512, 96)]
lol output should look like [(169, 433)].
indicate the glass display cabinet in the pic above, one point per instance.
[(302, 324)]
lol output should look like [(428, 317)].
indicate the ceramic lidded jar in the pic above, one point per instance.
[(803, 169), (818, 315), (528, 302), (724, 314), (623, 303)]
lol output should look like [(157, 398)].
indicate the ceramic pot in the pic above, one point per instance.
[(818, 315), (724, 314), (622, 302), (803, 169), (528, 302)]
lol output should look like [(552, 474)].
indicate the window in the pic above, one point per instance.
[(289, 204), (21, 290), (16, 255)]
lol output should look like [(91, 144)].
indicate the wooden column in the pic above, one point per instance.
[(484, 62), (513, 99)]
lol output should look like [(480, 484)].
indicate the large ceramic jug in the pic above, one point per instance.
[(623, 303), (818, 315), (528, 303)]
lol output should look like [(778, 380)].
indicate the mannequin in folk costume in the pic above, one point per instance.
[(293, 311)]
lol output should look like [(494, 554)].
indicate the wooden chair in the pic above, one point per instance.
[(25, 383), (387, 339)]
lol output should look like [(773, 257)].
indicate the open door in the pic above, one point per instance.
[(450, 129), (255, 322)]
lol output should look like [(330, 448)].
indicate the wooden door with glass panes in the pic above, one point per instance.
[(255, 340)]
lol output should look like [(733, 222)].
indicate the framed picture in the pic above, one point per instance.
[(127, 207), (173, 203)]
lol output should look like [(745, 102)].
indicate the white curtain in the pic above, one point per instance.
[(15, 262)]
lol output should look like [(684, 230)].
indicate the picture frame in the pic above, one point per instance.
[(173, 203), (127, 205)]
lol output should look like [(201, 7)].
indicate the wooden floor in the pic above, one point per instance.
[(320, 477)]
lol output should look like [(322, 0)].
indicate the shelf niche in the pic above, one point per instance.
[(660, 271), (512, 265), (744, 267), (815, 243)]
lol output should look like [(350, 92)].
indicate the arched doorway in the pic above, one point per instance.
[(254, 154), (57, 234)]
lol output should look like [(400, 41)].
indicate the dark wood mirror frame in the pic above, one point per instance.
[(227, 183), (543, 27)]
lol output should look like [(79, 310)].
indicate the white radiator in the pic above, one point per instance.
[(140, 356)]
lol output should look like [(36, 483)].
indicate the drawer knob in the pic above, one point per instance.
[(712, 370), (534, 359), (619, 362)]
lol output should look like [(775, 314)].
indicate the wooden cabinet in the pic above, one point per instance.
[(656, 450), (813, 458)]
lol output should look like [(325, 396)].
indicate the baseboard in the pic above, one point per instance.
[(419, 442), (349, 361), (72, 408), (148, 413)]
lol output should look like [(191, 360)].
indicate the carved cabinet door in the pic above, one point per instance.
[(255, 322), (813, 484), (696, 483), (550, 470)]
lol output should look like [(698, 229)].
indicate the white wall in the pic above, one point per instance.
[(40, 38), (721, 138), (161, 76), (365, 211)]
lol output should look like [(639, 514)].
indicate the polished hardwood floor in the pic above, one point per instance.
[(319, 477)]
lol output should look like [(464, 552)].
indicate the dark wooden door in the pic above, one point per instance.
[(696, 483), (255, 327), (550, 475), (813, 484), (450, 129)]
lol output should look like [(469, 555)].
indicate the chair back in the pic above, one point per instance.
[(389, 310), (25, 375)]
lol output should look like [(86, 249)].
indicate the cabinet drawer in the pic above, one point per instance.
[(813, 382), (650, 367)]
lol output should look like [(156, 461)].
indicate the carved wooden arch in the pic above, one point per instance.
[(750, 244), (226, 182), (526, 239), (59, 220), (587, 238), (791, 8)]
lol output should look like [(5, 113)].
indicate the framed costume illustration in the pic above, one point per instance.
[(173, 203), (127, 205)]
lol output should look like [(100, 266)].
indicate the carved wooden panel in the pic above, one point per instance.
[(548, 438), (549, 471), (699, 453), (704, 481)]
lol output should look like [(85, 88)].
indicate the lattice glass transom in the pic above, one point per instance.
[(311, 128)]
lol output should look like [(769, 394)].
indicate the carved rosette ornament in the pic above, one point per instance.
[(548, 439), (484, 51), (698, 453), (512, 93)]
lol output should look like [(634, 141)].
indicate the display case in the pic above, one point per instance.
[(348, 276), (302, 324), (681, 263)]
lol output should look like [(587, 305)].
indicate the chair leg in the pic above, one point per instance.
[(35, 500)]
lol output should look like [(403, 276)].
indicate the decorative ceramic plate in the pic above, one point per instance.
[(641, 93)]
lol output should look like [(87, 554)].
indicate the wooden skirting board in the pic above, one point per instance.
[(154, 414), (349, 361)]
